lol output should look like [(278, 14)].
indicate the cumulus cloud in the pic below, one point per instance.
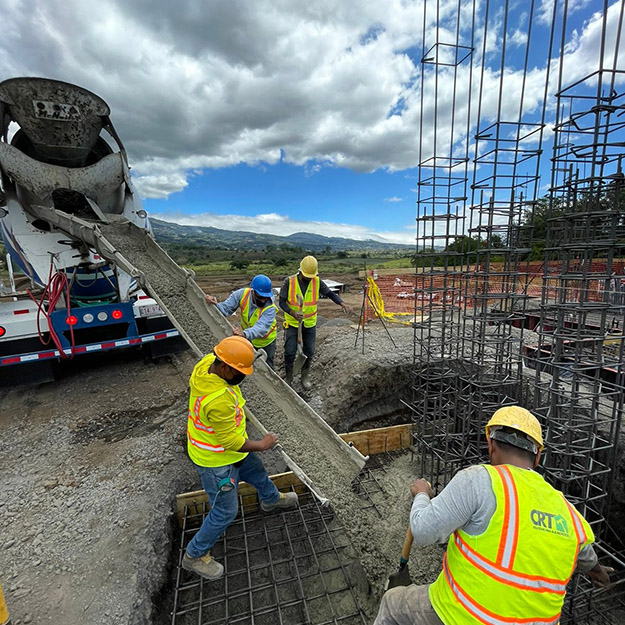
[(283, 225), (197, 85)]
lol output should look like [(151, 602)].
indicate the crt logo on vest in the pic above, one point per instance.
[(554, 523)]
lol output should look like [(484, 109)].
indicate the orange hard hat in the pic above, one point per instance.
[(237, 352)]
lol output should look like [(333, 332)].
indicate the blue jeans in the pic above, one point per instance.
[(225, 504), (290, 343)]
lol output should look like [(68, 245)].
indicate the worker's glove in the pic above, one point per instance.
[(268, 441), (421, 486), (211, 299), (600, 575)]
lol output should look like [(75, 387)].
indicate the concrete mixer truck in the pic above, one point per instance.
[(59, 150)]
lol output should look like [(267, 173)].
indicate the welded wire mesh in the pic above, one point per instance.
[(291, 567)]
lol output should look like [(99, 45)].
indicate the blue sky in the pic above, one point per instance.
[(330, 195), (277, 116)]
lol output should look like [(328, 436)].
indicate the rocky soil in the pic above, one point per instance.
[(90, 466)]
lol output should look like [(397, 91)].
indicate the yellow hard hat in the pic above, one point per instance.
[(237, 352), (519, 419), (309, 266)]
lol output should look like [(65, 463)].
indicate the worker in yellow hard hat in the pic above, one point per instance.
[(299, 296), (513, 540), (218, 445)]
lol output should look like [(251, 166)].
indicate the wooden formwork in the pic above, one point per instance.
[(367, 442)]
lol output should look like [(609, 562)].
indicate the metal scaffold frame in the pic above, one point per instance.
[(491, 327)]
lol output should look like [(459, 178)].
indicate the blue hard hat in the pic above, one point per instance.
[(262, 285)]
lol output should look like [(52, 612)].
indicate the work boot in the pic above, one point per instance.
[(287, 500), (306, 383), (205, 566), (289, 374)]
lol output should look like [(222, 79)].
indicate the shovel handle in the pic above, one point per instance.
[(405, 550)]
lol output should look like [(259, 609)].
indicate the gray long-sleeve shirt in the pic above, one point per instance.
[(468, 503), (261, 327)]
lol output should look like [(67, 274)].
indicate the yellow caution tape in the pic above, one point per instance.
[(377, 302)]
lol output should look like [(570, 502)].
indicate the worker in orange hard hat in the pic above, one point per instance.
[(298, 299), (218, 445), (514, 540)]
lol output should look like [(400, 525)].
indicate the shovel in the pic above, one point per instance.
[(401, 577), (300, 357)]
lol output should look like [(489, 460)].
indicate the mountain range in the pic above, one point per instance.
[(168, 233)]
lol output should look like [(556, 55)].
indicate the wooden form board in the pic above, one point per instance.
[(367, 442)]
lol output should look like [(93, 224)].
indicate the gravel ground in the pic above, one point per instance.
[(90, 466)]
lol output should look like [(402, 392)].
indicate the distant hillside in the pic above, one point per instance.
[(170, 234)]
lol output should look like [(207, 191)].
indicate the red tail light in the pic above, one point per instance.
[(2, 331), (117, 314), (71, 320)]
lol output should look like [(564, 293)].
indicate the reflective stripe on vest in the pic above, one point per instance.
[(248, 321), (482, 614), (201, 435), (306, 304), (486, 578)]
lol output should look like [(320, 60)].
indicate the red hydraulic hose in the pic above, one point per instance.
[(53, 292)]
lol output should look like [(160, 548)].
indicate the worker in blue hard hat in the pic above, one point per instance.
[(258, 314)]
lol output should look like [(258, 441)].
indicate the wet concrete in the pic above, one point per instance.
[(378, 543)]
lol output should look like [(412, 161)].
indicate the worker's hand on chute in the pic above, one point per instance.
[(237, 332), (600, 575), (421, 486), (211, 299), (268, 441)]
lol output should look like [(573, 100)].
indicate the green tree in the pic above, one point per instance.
[(342, 254), (239, 264)]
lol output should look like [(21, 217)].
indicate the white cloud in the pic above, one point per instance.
[(545, 10), (283, 225), (393, 199), (197, 85)]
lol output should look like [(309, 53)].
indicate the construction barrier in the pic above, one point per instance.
[(401, 297)]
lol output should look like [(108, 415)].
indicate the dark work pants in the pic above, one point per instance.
[(290, 343), (270, 350)]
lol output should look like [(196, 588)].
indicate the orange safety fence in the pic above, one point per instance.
[(406, 294)]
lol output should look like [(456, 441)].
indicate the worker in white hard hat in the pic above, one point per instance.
[(514, 540), (298, 299)]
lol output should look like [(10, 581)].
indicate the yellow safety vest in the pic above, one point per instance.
[(517, 570), (202, 444), (305, 304), (248, 321)]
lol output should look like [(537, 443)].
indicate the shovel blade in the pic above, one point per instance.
[(399, 578), (300, 359)]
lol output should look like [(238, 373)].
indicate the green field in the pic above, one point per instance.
[(327, 264)]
